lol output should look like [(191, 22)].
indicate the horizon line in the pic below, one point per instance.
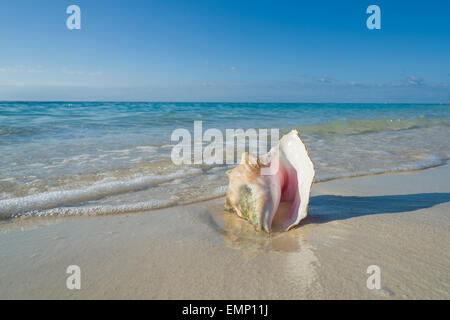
[(188, 101)]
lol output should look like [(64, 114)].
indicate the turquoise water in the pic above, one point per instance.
[(99, 158)]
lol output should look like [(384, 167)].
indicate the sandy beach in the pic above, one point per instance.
[(135, 139), (399, 222)]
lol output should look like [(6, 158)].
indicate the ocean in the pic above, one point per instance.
[(91, 158)]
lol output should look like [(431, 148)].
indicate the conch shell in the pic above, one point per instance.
[(277, 201)]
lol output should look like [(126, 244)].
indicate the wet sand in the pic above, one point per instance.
[(399, 222)]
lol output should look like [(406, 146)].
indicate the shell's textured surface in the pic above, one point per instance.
[(272, 191)]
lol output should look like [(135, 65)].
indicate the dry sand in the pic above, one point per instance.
[(399, 222)]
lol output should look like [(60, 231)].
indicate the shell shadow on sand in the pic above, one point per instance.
[(239, 234), (326, 208)]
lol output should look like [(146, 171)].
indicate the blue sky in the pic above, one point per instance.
[(286, 51)]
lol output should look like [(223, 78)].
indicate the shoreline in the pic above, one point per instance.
[(154, 207), (398, 221)]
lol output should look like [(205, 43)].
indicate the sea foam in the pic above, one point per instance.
[(16, 206)]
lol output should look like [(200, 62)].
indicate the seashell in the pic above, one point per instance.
[(277, 201)]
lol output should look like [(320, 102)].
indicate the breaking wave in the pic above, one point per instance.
[(48, 200)]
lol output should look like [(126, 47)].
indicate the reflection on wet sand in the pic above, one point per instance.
[(296, 263), (239, 234)]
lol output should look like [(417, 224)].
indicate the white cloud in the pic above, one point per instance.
[(66, 70), (36, 70), (21, 68), (321, 79), (415, 81)]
